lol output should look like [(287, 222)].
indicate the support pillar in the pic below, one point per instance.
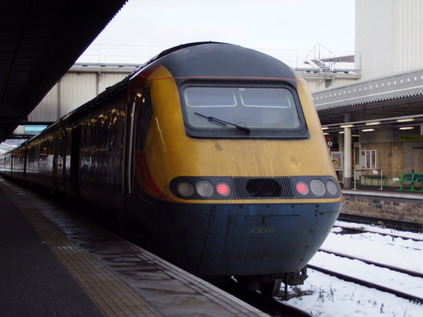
[(347, 172), (347, 158)]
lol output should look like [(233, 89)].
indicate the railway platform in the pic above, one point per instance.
[(53, 263), (377, 190), (385, 203)]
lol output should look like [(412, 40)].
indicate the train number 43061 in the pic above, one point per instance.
[(262, 230)]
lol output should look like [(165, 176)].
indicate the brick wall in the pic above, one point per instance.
[(400, 209), (389, 158)]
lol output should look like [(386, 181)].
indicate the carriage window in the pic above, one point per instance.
[(260, 108)]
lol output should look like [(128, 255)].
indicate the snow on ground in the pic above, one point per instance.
[(329, 296)]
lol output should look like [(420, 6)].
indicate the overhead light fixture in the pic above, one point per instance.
[(347, 126), (341, 132), (406, 128), (367, 130), (325, 128), (405, 120), (325, 133), (373, 123)]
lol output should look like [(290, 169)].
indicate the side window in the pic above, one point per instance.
[(145, 118)]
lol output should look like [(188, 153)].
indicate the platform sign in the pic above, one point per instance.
[(411, 138)]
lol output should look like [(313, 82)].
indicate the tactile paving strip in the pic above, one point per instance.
[(111, 296)]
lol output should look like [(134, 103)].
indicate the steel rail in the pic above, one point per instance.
[(381, 233), (359, 281), (394, 224), (379, 264)]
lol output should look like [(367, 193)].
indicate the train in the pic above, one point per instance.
[(213, 153)]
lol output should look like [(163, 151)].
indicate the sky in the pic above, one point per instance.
[(286, 29)]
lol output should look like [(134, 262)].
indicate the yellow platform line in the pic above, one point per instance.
[(111, 296)]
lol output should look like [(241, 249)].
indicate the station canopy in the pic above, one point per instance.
[(395, 100), (39, 41)]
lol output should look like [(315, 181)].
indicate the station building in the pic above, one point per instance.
[(374, 126)]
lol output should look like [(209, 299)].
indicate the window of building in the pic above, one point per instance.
[(368, 159)]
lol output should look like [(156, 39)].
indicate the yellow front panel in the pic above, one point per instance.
[(170, 153)]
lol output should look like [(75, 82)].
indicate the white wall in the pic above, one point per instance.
[(389, 36), (72, 91)]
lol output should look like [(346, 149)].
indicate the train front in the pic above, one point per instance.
[(233, 176)]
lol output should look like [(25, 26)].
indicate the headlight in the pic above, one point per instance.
[(185, 189), (317, 187), (332, 187), (204, 188)]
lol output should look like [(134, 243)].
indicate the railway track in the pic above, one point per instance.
[(274, 309), (379, 264), (394, 224), (365, 281), (364, 269), (348, 229)]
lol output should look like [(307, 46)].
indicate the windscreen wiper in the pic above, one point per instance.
[(224, 123)]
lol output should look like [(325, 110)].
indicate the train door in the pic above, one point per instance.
[(128, 150), (139, 115), (75, 151), (60, 160)]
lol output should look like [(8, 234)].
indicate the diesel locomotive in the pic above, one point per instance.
[(212, 152)]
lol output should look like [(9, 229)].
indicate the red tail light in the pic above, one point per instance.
[(223, 189), (302, 188)]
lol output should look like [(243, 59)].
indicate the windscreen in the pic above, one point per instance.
[(254, 108)]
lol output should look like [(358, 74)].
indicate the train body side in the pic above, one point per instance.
[(98, 141), (80, 157)]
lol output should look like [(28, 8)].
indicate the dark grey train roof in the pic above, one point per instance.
[(217, 59), (223, 59), (202, 59)]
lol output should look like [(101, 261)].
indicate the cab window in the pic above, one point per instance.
[(261, 111)]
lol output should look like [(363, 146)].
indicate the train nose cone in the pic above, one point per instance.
[(263, 239)]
